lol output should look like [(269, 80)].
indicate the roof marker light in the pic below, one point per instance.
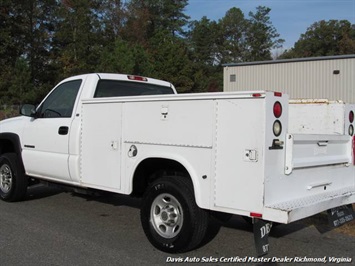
[(138, 78), (278, 94)]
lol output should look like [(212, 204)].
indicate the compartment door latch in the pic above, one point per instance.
[(250, 155)]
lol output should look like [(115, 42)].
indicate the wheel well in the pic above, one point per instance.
[(10, 143), (153, 168), (6, 146)]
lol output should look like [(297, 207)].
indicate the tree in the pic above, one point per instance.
[(204, 52), (157, 26), (124, 57), (76, 44), (322, 38), (145, 18), (26, 31), (111, 16), (11, 30), (11, 45), (44, 41), (202, 39), (261, 36), (171, 61), (233, 34)]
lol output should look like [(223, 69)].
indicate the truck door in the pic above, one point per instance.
[(46, 137)]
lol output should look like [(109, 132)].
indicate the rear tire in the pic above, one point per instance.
[(170, 218), (13, 183)]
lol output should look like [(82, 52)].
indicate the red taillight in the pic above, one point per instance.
[(138, 78), (256, 95), (277, 109), (256, 215), (351, 116), (277, 94)]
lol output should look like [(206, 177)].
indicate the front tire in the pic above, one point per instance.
[(13, 183), (170, 218)]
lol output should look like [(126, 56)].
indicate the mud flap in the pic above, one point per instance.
[(340, 215), (261, 230)]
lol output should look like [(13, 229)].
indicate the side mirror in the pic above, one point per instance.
[(28, 110)]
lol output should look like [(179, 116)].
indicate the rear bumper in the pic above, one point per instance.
[(290, 211)]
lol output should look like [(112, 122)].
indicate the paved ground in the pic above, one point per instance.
[(56, 228)]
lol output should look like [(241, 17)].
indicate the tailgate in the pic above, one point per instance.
[(318, 174), (303, 150)]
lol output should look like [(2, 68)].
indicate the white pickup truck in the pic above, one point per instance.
[(186, 155)]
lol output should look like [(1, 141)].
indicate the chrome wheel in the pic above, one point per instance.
[(5, 178), (170, 217), (166, 215), (13, 181)]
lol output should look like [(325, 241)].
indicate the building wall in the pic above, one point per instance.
[(314, 79)]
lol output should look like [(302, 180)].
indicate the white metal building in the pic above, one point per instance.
[(328, 77)]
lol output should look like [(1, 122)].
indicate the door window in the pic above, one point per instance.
[(60, 102)]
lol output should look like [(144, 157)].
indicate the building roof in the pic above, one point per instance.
[(281, 61)]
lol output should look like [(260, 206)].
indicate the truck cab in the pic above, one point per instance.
[(49, 134)]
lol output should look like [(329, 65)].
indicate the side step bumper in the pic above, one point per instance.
[(290, 211)]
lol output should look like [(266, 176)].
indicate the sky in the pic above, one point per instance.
[(291, 18)]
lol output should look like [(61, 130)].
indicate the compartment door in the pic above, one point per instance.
[(101, 146)]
